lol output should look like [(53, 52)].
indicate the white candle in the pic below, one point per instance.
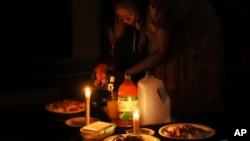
[(136, 128), (87, 96)]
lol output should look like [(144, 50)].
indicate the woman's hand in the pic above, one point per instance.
[(101, 75)]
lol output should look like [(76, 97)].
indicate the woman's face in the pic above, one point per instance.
[(126, 15)]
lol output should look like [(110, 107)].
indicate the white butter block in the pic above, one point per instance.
[(97, 130)]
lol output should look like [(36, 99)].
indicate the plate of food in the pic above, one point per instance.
[(131, 137), (186, 131), (66, 106)]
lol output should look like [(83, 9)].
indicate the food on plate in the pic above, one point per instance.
[(127, 138), (66, 106), (186, 131)]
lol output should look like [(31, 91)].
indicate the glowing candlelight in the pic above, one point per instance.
[(87, 96), (136, 122)]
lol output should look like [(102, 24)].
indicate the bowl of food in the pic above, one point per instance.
[(186, 131)]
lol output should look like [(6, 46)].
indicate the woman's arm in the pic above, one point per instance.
[(161, 47)]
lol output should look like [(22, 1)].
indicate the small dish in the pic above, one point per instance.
[(79, 121), (145, 131)]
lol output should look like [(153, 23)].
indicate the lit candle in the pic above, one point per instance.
[(136, 122), (87, 96)]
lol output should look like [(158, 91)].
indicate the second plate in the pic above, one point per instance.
[(79, 121)]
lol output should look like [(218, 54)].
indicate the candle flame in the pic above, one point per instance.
[(136, 113), (87, 92)]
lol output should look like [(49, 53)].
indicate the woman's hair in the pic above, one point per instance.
[(127, 4), (169, 14), (140, 7)]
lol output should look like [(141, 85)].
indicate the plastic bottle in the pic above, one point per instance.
[(153, 101), (127, 102)]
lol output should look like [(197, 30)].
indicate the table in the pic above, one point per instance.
[(34, 123)]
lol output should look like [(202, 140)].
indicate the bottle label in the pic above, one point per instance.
[(126, 107)]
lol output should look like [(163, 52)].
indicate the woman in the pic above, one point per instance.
[(120, 51), (183, 38)]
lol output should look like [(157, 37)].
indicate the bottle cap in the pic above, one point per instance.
[(112, 79), (127, 76)]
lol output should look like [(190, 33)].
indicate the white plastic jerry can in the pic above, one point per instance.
[(153, 101)]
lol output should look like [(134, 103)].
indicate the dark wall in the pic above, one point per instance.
[(234, 16), (36, 30), (36, 43)]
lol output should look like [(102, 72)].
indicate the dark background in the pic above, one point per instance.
[(38, 64), (35, 30), (235, 26)]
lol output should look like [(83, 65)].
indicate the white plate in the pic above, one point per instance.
[(144, 137), (66, 106), (79, 121), (201, 131), (145, 131)]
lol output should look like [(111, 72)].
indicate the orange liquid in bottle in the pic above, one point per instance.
[(127, 102)]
